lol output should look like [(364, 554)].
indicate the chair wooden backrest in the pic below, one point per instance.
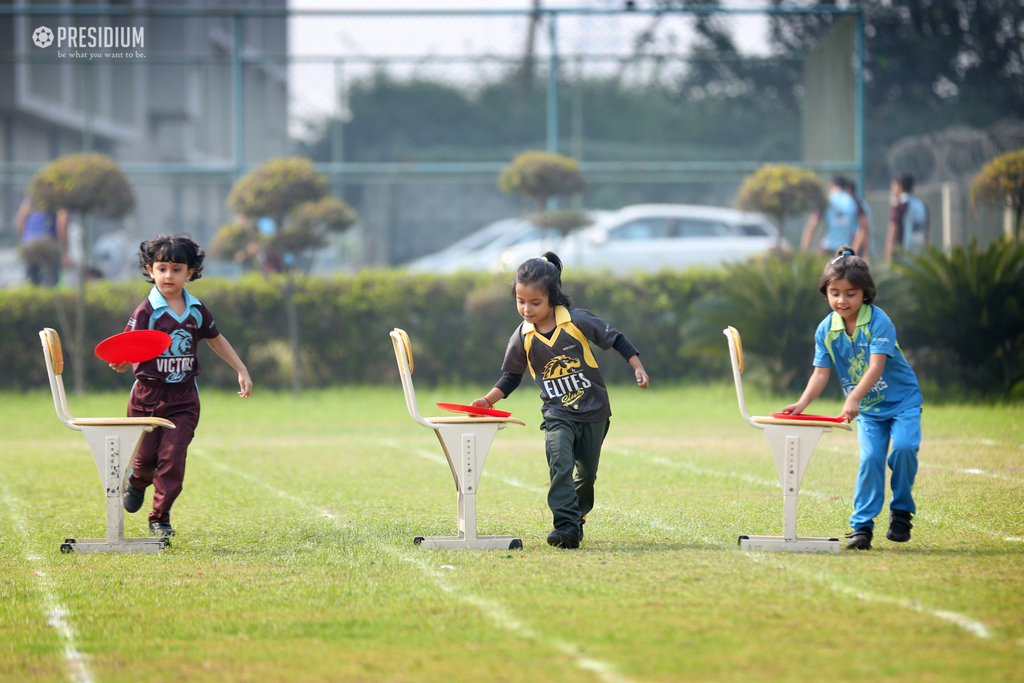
[(736, 356), (54, 355), (403, 354)]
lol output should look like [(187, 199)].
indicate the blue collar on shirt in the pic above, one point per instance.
[(157, 300)]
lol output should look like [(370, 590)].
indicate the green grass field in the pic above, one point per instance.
[(294, 558)]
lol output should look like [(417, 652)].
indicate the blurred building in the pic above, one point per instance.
[(153, 85)]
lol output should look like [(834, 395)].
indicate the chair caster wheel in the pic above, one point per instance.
[(516, 544), (417, 540)]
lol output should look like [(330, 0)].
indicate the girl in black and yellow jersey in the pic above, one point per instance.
[(553, 343)]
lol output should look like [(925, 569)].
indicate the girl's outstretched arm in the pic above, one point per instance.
[(815, 385), (642, 380), (222, 347), (489, 399)]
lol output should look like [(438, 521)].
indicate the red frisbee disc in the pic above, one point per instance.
[(133, 347), (473, 410), (802, 416)]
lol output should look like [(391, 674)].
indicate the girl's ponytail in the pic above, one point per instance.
[(552, 258), (546, 273)]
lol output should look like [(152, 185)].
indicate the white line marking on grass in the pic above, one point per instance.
[(706, 471), (502, 618), (966, 623), (493, 610), (996, 534), (972, 626), (57, 616), (973, 471), (760, 481)]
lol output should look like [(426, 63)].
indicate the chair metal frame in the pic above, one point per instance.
[(792, 443), (465, 441), (113, 442)]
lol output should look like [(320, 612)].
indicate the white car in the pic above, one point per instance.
[(478, 250), (653, 237)]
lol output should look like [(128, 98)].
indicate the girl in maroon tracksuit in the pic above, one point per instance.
[(165, 386)]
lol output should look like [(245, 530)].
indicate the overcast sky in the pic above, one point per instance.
[(317, 40)]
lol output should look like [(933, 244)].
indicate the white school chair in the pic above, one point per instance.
[(465, 441), (113, 442), (792, 443)]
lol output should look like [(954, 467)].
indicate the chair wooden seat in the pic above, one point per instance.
[(799, 423), (792, 443), (465, 441), (470, 420), (126, 421), (113, 442)]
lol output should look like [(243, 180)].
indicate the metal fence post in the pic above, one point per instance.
[(237, 97)]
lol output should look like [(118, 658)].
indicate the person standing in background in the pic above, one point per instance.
[(862, 243), (840, 218), (908, 220), (43, 242)]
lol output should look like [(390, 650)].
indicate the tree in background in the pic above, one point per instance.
[(1002, 181), (540, 176), (929, 65), (283, 212), (781, 192), (92, 185)]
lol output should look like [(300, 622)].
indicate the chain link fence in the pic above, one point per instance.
[(412, 114)]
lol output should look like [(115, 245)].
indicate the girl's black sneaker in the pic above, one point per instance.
[(160, 529), (133, 498), (899, 526), (566, 536), (860, 539)]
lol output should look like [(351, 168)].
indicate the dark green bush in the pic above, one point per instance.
[(459, 325), (964, 314), (959, 317), (775, 305)]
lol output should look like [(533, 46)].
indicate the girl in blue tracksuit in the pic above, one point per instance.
[(881, 391)]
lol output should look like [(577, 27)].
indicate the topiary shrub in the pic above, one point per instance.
[(542, 175), (291, 193), (1001, 181), (276, 187), (87, 183), (781, 191)]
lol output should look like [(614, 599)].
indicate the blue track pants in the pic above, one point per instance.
[(874, 435)]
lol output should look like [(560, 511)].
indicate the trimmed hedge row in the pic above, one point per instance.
[(459, 326)]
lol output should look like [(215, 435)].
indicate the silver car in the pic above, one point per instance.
[(653, 237), (478, 250)]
